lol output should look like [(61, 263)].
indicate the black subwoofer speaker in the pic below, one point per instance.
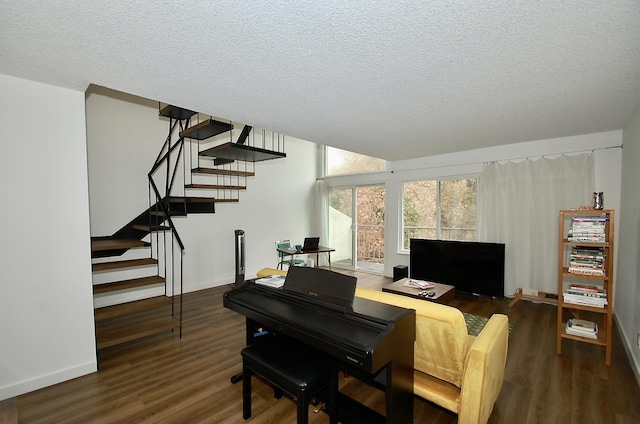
[(400, 272)]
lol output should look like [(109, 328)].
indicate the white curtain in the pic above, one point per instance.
[(519, 204)]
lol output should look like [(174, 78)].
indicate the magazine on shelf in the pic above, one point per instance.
[(418, 284)]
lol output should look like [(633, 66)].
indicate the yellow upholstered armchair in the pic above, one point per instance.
[(452, 369), (459, 372)]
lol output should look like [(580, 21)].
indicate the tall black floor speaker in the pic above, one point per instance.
[(239, 257)]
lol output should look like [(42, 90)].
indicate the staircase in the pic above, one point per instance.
[(137, 271)]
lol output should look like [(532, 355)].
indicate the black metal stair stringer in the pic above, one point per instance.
[(153, 219), (242, 139)]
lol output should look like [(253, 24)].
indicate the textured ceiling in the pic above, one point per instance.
[(391, 79)]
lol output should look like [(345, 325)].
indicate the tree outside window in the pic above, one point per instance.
[(444, 210)]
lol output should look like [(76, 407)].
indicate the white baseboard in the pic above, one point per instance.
[(628, 346), (20, 388), (42, 381), (206, 285)]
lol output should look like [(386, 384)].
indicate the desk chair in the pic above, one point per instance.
[(286, 244)]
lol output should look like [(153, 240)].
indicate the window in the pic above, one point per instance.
[(341, 162), (435, 209)]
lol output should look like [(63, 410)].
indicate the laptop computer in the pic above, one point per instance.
[(310, 243)]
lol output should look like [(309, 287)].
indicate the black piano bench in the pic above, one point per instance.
[(293, 368)]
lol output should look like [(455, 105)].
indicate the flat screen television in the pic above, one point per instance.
[(472, 267)]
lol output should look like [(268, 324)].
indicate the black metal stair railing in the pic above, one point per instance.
[(233, 163), (168, 251)]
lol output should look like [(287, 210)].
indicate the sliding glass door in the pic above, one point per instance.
[(341, 226), (356, 227)]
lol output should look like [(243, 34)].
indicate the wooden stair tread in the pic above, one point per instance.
[(103, 266), (227, 200), (199, 199), (216, 186), (176, 112), (127, 284), (191, 199), (110, 335), (216, 171), (116, 244), (235, 151), (172, 213), (206, 129), (130, 307), (150, 228)]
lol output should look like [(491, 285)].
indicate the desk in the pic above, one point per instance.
[(444, 293), (293, 252)]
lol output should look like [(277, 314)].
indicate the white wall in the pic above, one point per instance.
[(45, 267), (278, 204), (617, 172), (608, 156), (47, 333), (124, 136), (627, 306)]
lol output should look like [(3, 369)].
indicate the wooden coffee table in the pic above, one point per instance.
[(443, 292)]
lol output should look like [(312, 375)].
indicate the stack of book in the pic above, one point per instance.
[(418, 284), (582, 328), (275, 281), (590, 229), (587, 295), (587, 261)]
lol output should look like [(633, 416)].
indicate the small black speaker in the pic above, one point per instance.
[(400, 272)]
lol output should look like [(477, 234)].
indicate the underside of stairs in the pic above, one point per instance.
[(137, 271)]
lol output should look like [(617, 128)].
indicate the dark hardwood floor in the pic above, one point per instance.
[(165, 379)]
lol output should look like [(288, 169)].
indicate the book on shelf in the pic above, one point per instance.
[(587, 261), (590, 218), (586, 238), (588, 252), (582, 328), (587, 288), (588, 229), (594, 272), (586, 294), (578, 299)]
